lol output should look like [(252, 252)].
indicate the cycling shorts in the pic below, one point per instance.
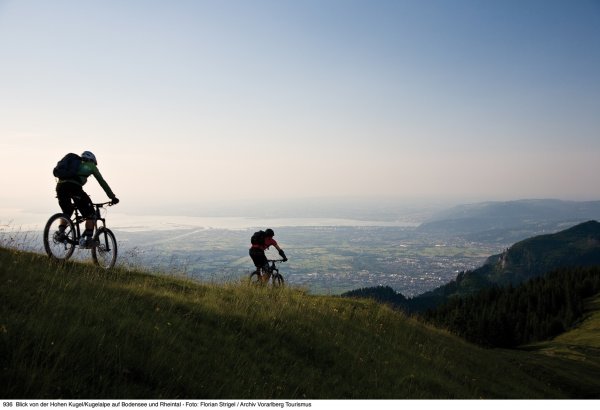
[(67, 191), (258, 257)]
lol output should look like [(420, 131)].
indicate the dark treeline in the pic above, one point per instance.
[(507, 317), (382, 294)]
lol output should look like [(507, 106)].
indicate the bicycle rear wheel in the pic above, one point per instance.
[(59, 245), (256, 278), (104, 252)]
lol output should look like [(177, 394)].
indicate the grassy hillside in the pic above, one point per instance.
[(73, 331)]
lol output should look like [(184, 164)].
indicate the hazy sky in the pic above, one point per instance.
[(194, 101)]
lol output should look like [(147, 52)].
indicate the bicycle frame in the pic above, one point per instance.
[(267, 273), (273, 268), (78, 219)]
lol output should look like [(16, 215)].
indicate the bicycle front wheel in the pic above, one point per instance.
[(104, 251), (277, 280), (59, 244)]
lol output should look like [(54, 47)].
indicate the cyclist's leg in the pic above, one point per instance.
[(64, 193), (85, 206), (260, 261)]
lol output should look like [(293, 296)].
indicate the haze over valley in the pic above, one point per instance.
[(411, 248)]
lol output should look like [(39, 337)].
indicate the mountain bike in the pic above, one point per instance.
[(60, 244), (262, 275)]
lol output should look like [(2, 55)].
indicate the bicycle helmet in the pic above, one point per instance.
[(269, 232), (88, 156)]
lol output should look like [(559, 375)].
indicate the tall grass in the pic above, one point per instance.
[(70, 330), (15, 237)]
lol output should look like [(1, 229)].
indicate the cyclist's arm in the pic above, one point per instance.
[(103, 183), (281, 252), (272, 242)]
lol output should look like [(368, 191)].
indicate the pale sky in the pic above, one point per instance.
[(208, 101)]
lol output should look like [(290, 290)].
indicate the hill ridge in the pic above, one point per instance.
[(509, 221)]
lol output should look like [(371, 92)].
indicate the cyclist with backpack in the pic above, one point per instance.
[(261, 241), (72, 173)]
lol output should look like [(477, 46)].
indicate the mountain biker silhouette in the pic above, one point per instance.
[(72, 189), (257, 250)]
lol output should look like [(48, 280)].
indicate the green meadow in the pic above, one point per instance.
[(73, 331)]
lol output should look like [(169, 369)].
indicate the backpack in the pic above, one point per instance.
[(258, 238), (67, 167)]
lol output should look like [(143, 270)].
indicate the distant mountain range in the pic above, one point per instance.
[(508, 222), (576, 246)]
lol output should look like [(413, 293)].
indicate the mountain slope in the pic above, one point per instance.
[(539, 309), (73, 331), (576, 246)]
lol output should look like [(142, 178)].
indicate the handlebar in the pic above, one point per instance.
[(275, 260), (109, 203)]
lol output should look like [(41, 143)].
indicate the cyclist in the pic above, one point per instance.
[(72, 189), (262, 243)]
